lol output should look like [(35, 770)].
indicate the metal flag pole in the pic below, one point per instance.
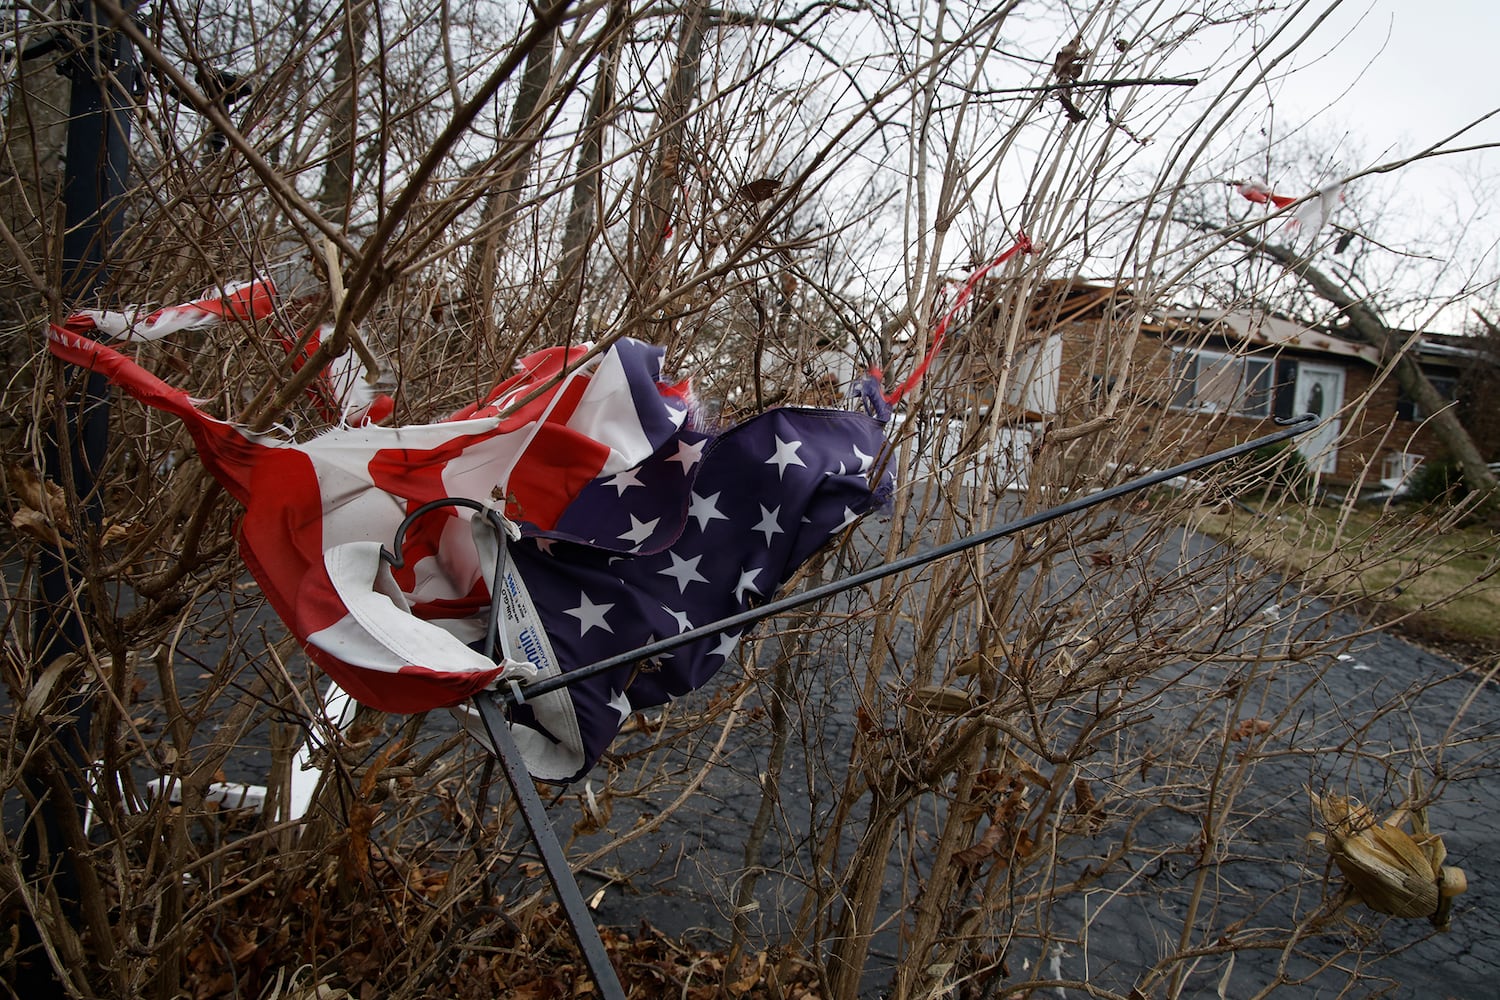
[(554, 858), (513, 764)]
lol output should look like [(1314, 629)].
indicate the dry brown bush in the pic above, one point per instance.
[(973, 781)]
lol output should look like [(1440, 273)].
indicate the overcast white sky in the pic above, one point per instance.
[(1381, 80), (1395, 76), (1403, 72)]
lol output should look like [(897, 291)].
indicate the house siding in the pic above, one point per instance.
[(1371, 428)]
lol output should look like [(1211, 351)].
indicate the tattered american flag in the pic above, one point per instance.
[(636, 524)]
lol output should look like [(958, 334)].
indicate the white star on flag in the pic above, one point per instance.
[(621, 704), (728, 643), (747, 582), (705, 509), (688, 455), (865, 461), (849, 518), (769, 523), (640, 530), (590, 615), (786, 454), (680, 617), (622, 481), (684, 571)]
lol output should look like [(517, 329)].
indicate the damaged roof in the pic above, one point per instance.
[(1265, 330)]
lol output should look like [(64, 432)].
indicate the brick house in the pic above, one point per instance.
[(1227, 374)]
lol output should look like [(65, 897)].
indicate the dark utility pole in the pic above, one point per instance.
[(102, 68)]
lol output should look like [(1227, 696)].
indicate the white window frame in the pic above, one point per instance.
[(1250, 400)]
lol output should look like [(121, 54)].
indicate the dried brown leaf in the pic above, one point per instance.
[(34, 524), (1086, 804), (941, 700), (33, 492), (1246, 728), (986, 846)]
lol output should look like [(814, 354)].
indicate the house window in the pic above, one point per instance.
[(1409, 409), (1212, 382)]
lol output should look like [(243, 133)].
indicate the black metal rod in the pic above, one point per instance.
[(554, 860), (540, 687)]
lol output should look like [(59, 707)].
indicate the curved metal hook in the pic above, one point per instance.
[(397, 559)]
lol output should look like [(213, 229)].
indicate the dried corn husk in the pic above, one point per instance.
[(1390, 870)]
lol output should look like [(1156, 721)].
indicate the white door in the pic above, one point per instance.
[(1320, 389)]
